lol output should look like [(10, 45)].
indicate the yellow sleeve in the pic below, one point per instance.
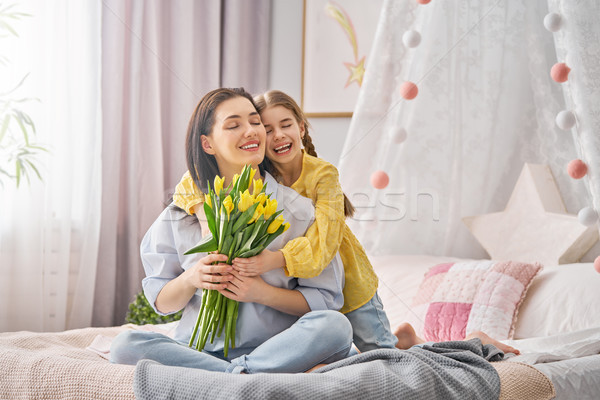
[(307, 257), (186, 194)]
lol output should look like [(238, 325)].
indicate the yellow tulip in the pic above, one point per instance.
[(246, 200), (219, 184), (228, 204), (261, 198), (273, 226), (251, 175), (207, 200), (257, 187), (286, 226), (270, 208), (257, 213), (235, 178)]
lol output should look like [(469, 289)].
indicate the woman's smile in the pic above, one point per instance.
[(252, 146)]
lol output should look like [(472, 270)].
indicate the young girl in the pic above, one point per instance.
[(305, 257), (284, 324)]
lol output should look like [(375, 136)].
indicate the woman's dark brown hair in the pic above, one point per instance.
[(202, 166), (278, 98)]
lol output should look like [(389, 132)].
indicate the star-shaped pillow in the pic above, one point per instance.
[(535, 226)]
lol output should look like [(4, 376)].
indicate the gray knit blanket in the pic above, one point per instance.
[(449, 370)]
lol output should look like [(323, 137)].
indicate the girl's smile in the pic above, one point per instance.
[(284, 135)]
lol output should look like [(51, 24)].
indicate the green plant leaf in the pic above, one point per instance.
[(18, 171), (4, 128), (19, 120), (244, 218), (210, 219), (207, 244), (140, 312), (34, 169)]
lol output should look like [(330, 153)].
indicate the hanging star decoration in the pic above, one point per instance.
[(357, 69), (535, 226)]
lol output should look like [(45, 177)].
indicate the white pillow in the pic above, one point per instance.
[(562, 298)]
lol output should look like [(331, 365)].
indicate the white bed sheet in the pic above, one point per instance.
[(571, 361), (574, 379)]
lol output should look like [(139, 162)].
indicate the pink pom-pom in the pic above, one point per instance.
[(560, 72), (597, 264), (379, 179), (423, 1), (577, 169), (409, 90)]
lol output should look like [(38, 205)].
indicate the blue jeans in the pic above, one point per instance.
[(317, 337), (370, 326)]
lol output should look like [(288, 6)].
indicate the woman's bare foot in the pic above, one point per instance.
[(485, 339), (407, 337)]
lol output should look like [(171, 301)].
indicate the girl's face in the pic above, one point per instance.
[(237, 137), (284, 135)]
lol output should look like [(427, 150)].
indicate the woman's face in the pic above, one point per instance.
[(284, 135), (237, 137)]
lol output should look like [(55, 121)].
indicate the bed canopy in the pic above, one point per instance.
[(486, 105)]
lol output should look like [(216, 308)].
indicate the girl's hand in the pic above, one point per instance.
[(265, 261), (247, 289), (205, 275)]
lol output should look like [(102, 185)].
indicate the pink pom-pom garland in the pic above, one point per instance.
[(560, 72), (423, 1), (597, 264), (379, 179), (409, 90), (577, 169)]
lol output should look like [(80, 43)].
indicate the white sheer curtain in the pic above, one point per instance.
[(486, 105), (159, 59), (49, 231), (578, 44)]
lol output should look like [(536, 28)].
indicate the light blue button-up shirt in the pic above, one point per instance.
[(174, 232)]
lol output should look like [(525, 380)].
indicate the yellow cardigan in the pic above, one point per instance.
[(307, 256)]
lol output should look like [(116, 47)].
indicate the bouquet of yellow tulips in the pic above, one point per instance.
[(241, 225)]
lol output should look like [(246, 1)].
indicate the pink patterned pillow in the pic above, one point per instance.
[(456, 299)]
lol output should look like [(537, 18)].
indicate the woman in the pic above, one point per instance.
[(284, 324)]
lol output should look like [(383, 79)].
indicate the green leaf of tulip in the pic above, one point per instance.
[(207, 244)]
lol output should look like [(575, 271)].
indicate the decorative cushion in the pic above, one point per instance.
[(455, 299)]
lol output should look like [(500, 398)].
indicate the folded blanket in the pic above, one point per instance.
[(450, 370)]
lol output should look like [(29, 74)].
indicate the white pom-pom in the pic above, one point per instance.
[(400, 135), (553, 22), (565, 120), (411, 38), (587, 216)]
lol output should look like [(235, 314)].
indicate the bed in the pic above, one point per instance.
[(556, 326)]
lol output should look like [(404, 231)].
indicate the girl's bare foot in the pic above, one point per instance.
[(485, 339), (407, 336)]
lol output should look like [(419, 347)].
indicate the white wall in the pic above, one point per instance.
[(328, 134)]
